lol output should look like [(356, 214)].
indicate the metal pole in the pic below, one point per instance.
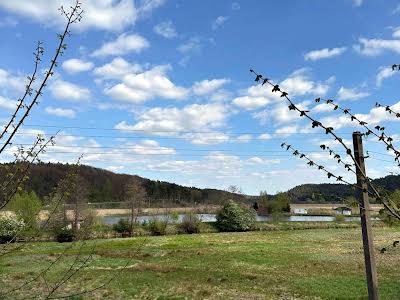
[(362, 195)]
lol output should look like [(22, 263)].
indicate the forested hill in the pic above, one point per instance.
[(331, 193), (106, 186)]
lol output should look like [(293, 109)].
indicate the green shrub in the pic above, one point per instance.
[(340, 218), (157, 227), (65, 235), (26, 207), (123, 226), (233, 217), (190, 224), (10, 228)]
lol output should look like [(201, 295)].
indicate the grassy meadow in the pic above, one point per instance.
[(298, 264)]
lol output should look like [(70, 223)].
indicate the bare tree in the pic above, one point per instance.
[(135, 195)]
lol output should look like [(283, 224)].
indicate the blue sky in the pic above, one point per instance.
[(162, 88)]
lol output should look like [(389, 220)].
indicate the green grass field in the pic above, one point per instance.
[(300, 264)]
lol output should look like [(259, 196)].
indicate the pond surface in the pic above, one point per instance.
[(110, 220)]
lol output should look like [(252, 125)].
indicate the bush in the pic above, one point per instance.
[(233, 217), (340, 218), (10, 228), (65, 235), (157, 227), (123, 226), (190, 224), (27, 207)]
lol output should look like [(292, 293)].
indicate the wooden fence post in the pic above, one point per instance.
[(362, 193)]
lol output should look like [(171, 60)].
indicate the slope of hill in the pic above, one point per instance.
[(106, 186), (332, 193)]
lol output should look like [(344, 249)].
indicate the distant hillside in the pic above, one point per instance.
[(106, 186), (325, 192)]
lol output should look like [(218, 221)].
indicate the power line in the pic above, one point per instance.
[(169, 131)]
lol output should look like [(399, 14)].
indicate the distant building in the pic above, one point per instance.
[(343, 210), (300, 211)]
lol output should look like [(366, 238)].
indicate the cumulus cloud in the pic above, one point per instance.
[(106, 15), (350, 94), (374, 47), (264, 136), (376, 115), (75, 65), (64, 90), (250, 103), (205, 87), (11, 83), (138, 88), (7, 103), (117, 69), (60, 112), (195, 122), (324, 53), (218, 22), (124, 44), (165, 29)]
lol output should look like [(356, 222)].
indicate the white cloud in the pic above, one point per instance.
[(350, 94), (75, 65), (167, 121), (286, 131), (11, 83), (205, 87), (124, 44), (218, 22), (299, 84), (324, 53), (322, 108), (357, 3), (250, 103), (207, 138), (244, 138), (188, 49), (7, 103), (106, 14), (264, 136), (261, 161), (396, 33), (192, 45), (60, 112), (375, 116), (149, 147), (374, 47), (280, 113), (383, 73), (146, 7), (64, 90), (138, 88), (165, 29), (117, 69)]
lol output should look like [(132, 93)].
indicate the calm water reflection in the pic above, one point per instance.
[(212, 218)]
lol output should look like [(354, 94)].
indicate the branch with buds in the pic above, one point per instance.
[(329, 131), (396, 67), (378, 131), (73, 16)]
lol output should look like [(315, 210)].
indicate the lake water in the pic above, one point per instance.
[(110, 220)]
